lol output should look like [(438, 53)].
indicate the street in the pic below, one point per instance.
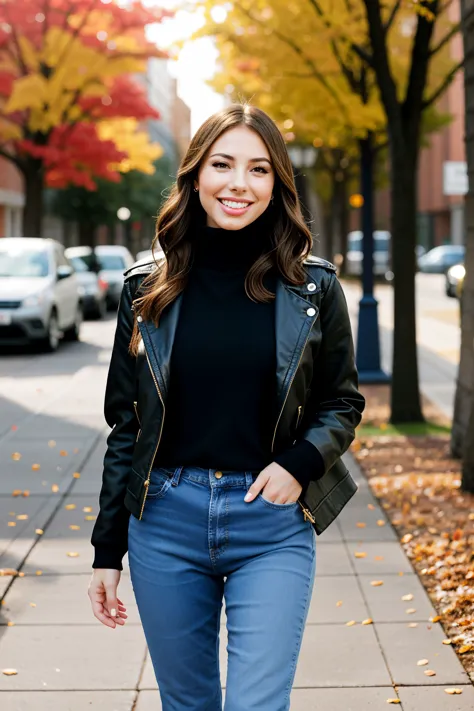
[(51, 449)]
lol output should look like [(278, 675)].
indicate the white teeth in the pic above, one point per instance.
[(236, 205)]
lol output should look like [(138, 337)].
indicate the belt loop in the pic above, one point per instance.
[(176, 476)]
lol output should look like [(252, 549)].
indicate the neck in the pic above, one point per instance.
[(225, 250)]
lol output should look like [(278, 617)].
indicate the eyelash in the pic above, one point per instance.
[(258, 167)]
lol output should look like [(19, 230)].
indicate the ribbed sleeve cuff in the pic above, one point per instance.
[(108, 557), (303, 461)]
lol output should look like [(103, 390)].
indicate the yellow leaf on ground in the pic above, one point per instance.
[(39, 531), (9, 672), (407, 598), (413, 624), (16, 456), (87, 509), (22, 517), (90, 518), (55, 488), (360, 554), (351, 623), (36, 467), (10, 624), (51, 443), (422, 662), (376, 583), (73, 527), (63, 453), (72, 554), (39, 572), (76, 475), (453, 690), (393, 701), (407, 538), (410, 610), (361, 524), (32, 604), (368, 621), (436, 618), (465, 648), (447, 641), (380, 522), (429, 672), (8, 571), (371, 507), (11, 524), (70, 507), (339, 603)]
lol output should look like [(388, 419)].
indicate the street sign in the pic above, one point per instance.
[(455, 179)]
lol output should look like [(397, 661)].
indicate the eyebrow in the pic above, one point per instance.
[(251, 160)]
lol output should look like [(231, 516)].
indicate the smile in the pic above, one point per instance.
[(234, 207)]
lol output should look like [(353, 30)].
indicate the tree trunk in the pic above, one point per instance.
[(87, 234), (405, 394), (33, 210), (462, 439), (344, 223)]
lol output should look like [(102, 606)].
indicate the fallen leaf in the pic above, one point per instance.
[(376, 583), (16, 492), (9, 672), (70, 507), (360, 554), (51, 443), (453, 691), (422, 662), (378, 557), (90, 518), (407, 538), (339, 603), (16, 456), (393, 701), (380, 522), (410, 610), (10, 624), (39, 572), (87, 509), (39, 531), (35, 467), (32, 604), (447, 641), (436, 618), (351, 623), (76, 475), (73, 554), (55, 488), (22, 517), (26, 492), (429, 672), (11, 524), (21, 575), (73, 527), (361, 524), (407, 598), (368, 621), (371, 507), (8, 571), (63, 453), (465, 648), (413, 624)]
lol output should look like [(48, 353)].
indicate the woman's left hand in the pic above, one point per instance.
[(278, 485)]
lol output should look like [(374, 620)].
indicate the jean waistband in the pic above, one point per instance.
[(211, 477)]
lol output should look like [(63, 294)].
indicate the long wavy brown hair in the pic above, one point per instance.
[(290, 239)]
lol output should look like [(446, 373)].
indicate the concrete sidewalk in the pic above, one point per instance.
[(66, 661)]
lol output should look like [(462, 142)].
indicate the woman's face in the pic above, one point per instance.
[(235, 179)]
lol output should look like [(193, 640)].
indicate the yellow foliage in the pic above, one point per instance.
[(128, 138)]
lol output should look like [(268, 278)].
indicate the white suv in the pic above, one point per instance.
[(39, 295)]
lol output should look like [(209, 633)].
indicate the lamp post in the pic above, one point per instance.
[(124, 214), (368, 342)]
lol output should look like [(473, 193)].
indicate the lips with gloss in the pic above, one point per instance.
[(234, 210)]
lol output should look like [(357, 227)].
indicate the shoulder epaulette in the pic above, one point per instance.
[(311, 260), (144, 266)]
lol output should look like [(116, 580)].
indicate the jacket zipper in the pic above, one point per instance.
[(146, 483), (306, 512), (135, 405), (300, 408)]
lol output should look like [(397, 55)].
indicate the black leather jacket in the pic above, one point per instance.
[(316, 391)]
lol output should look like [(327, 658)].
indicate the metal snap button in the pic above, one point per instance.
[(218, 475), (311, 312), (311, 287), (139, 318)]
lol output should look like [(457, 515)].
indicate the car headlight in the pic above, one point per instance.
[(458, 271), (33, 300)]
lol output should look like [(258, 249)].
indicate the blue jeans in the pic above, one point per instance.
[(197, 543)]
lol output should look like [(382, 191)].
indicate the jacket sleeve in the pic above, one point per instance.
[(110, 534), (335, 406)]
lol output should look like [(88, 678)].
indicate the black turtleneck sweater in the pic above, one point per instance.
[(220, 410)]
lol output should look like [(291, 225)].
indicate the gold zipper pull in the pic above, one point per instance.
[(306, 513)]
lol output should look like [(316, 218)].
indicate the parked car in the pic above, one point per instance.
[(149, 254), (440, 259), (109, 261), (355, 253), (454, 278), (39, 295), (92, 288)]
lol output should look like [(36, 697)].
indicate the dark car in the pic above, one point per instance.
[(109, 262), (92, 288), (439, 259)]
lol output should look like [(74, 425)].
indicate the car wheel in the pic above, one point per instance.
[(73, 333), (53, 336)]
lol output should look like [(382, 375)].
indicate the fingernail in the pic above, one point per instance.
[(113, 612), (248, 496)]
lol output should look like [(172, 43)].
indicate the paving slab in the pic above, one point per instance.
[(435, 698), (12, 510), (67, 701), (404, 646), (376, 525), (385, 601), (72, 658), (51, 556), (49, 593), (332, 559), (56, 463), (336, 655), (74, 426), (330, 590), (382, 558)]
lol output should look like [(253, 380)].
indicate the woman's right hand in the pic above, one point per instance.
[(102, 592)]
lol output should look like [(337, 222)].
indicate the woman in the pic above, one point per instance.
[(232, 394)]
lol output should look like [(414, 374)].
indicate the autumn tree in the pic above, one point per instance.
[(462, 442), (380, 66), (70, 105)]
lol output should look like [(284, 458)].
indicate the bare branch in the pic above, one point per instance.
[(444, 85), (359, 51), (447, 38), (393, 15)]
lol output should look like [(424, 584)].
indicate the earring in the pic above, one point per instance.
[(196, 190)]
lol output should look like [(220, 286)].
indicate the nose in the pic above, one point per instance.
[(238, 180)]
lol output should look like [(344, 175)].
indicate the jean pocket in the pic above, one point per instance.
[(273, 505), (160, 482)]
